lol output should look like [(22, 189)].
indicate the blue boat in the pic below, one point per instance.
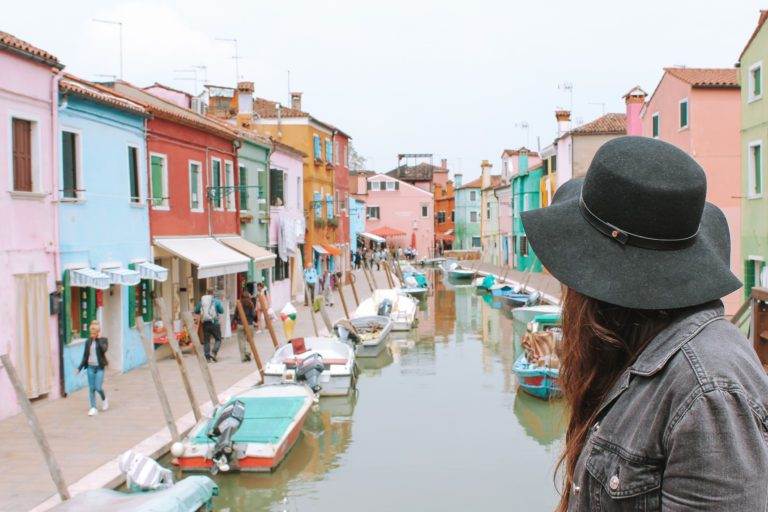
[(538, 381), (498, 292), (517, 300)]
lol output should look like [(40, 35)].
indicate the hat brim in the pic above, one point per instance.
[(589, 262)]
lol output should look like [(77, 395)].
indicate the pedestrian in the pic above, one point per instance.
[(261, 290), (667, 400), (249, 308), (310, 278), (94, 361), (209, 308), (327, 287), (377, 259)]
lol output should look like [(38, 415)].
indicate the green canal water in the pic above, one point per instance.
[(436, 424)]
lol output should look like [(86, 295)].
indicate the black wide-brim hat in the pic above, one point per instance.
[(636, 231)]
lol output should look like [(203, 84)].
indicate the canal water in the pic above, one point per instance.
[(436, 424)]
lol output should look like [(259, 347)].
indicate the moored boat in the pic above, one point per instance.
[(535, 380), (253, 431), (367, 334), (395, 304), (516, 300), (538, 367), (324, 363), (527, 313)]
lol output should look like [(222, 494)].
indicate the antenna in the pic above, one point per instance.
[(192, 78), (236, 57), (204, 69), (289, 82), (567, 87), (523, 125), (601, 103), (119, 25)]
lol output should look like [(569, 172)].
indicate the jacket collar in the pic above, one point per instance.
[(661, 348)]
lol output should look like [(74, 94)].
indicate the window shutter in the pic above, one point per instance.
[(157, 181), (67, 308), (91, 311), (316, 146), (146, 300), (132, 300), (243, 188), (69, 164), (22, 155), (397, 185), (317, 201), (133, 169), (749, 277), (758, 169), (329, 206), (368, 185)]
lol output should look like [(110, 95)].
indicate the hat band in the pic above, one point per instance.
[(627, 238)]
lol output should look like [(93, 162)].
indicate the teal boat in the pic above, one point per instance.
[(191, 494), (536, 380)]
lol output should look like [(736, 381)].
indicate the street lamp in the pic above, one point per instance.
[(119, 25)]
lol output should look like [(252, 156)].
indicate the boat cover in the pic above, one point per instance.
[(266, 419), (187, 495)]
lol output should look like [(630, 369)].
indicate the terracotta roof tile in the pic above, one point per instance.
[(607, 124), (513, 152), (13, 43), (706, 77), (419, 172), (760, 22), (268, 109), (74, 85), (477, 182)]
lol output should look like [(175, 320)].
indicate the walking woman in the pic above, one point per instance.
[(668, 401), (94, 361)]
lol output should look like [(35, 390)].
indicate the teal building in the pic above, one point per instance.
[(526, 195), (467, 218)]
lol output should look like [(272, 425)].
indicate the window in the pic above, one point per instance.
[(328, 151), (195, 187), (318, 152), (281, 269), (440, 217), (488, 211), (276, 187), (229, 184), (424, 211), (345, 158), (372, 212), (336, 204), (390, 185), (523, 246), (317, 204), (655, 125), (755, 164), (133, 173), (336, 152), (299, 191), (684, 113), (453, 215), (756, 81), (329, 206), (554, 163), (243, 182), (473, 216), (159, 170), (505, 167), (382, 185), (71, 163), (368, 185), (22, 142), (216, 182), (475, 241), (473, 195)]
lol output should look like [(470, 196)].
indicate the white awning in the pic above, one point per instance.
[(123, 276), (89, 278), (320, 249), (371, 236), (149, 270), (209, 256), (261, 257)]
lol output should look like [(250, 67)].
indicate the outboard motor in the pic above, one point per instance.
[(221, 434), (309, 369), (533, 298), (385, 308)]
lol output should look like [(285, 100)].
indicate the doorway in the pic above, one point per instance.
[(111, 318)]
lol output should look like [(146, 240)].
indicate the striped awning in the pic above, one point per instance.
[(262, 258), (209, 256), (371, 236), (89, 278), (151, 271), (123, 276), (319, 249)]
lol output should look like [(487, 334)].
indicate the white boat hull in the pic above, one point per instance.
[(332, 385), (403, 314)]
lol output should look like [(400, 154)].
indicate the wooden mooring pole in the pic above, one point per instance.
[(37, 429), (197, 347), (170, 333), (352, 278), (149, 351), (267, 319), (340, 289), (249, 338), (311, 311)]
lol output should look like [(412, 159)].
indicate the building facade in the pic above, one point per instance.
[(697, 110), (340, 158), (526, 195), (28, 255), (444, 217), (489, 218), (467, 219)]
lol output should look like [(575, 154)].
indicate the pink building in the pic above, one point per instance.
[(28, 259), (286, 225), (397, 207), (698, 110), (503, 194)]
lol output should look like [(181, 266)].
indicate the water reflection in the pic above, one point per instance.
[(439, 406)]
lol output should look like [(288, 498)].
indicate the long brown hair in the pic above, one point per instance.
[(600, 341)]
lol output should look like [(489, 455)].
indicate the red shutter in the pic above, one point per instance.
[(22, 155)]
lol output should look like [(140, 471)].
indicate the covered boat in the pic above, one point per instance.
[(324, 363), (414, 282), (538, 367), (191, 494), (516, 300), (395, 304), (527, 313), (367, 334), (253, 431)]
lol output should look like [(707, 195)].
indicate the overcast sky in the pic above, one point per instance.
[(455, 78)]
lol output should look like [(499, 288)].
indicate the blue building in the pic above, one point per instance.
[(104, 241), (356, 210)]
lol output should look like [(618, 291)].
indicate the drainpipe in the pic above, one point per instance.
[(54, 205)]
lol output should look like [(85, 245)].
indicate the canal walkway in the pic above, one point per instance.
[(541, 281), (86, 447)]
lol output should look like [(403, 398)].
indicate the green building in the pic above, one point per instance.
[(526, 195), (754, 136), (253, 173), (467, 217)]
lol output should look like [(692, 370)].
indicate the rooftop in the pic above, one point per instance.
[(419, 172), (477, 182), (19, 46), (607, 124), (104, 95), (760, 22), (706, 77), (514, 152)]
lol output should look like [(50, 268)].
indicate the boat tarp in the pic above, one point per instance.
[(186, 495), (266, 419)]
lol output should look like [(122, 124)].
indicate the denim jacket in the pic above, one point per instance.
[(685, 427)]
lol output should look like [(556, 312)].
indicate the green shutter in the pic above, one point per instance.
[(147, 308), (91, 311), (69, 164), (133, 176), (67, 308), (157, 181), (749, 277), (216, 183), (243, 188), (757, 88), (655, 126), (194, 186), (132, 301), (757, 156), (683, 114)]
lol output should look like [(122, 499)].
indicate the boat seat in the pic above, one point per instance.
[(291, 361)]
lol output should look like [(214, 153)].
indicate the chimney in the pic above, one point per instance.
[(457, 180), (244, 103), (563, 121), (634, 99), (485, 175), (522, 160), (444, 163), (296, 100)]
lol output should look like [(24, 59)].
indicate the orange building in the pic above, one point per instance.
[(444, 217)]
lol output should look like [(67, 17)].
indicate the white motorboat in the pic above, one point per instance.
[(400, 308), (367, 334), (458, 273), (527, 313), (325, 364)]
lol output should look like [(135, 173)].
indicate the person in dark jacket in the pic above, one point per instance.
[(94, 361), (209, 307), (667, 401)]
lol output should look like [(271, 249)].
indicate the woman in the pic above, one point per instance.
[(94, 361), (667, 399), (249, 309)]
